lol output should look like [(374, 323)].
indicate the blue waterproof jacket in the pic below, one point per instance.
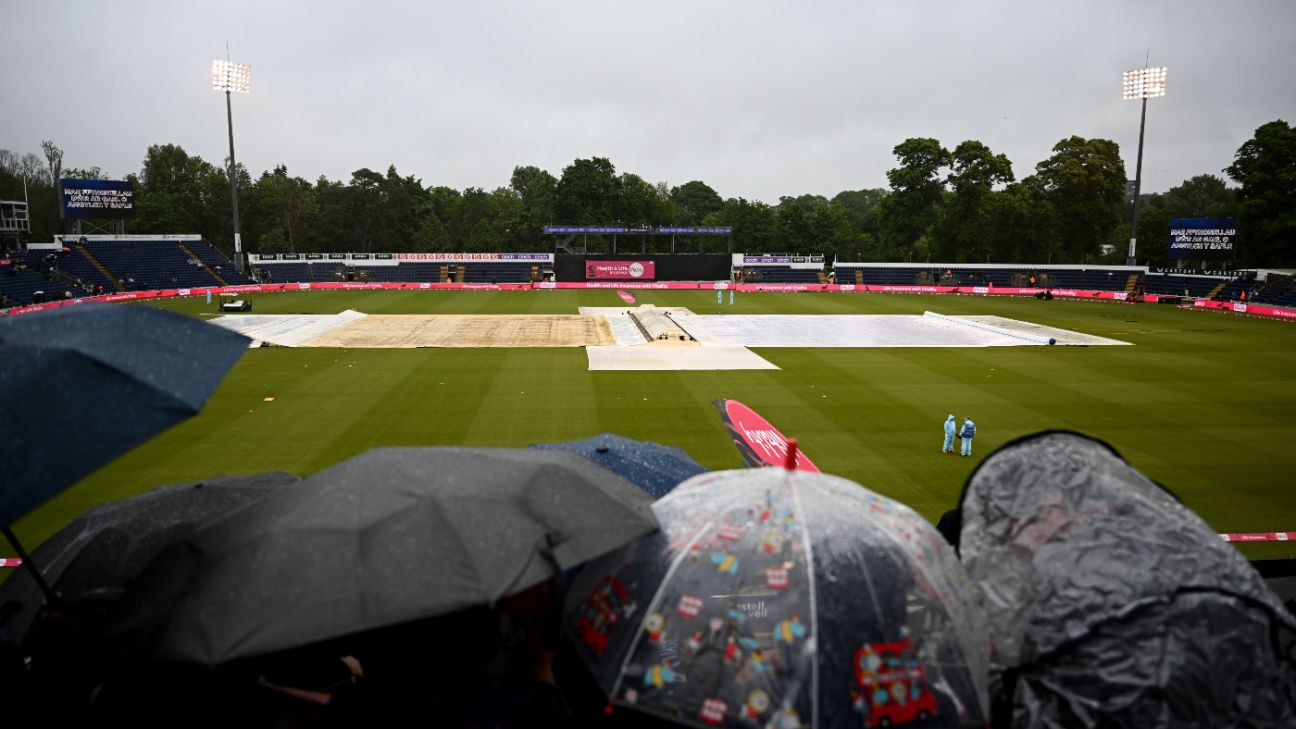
[(950, 425), (969, 429)]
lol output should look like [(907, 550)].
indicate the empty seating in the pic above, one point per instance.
[(150, 264), (217, 262)]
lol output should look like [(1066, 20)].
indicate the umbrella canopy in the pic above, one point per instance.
[(390, 536), (652, 467), (110, 544), (80, 385), (1110, 604), (784, 598)]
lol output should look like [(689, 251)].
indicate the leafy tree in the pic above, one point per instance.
[(1023, 224), (638, 202), (286, 206), (447, 205), (755, 224), (916, 192), (1085, 182), (696, 200), (432, 234), (1265, 166), (964, 230), (180, 193), (1203, 196), (536, 189), (587, 192), (54, 158)]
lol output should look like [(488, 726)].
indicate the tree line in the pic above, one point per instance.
[(963, 204)]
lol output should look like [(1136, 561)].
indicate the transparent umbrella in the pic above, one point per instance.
[(784, 598)]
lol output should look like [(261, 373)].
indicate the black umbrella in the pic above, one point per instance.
[(390, 536), (653, 467), (80, 385), (1109, 603), (110, 545)]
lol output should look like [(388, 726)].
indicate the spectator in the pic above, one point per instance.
[(950, 427), (967, 433)]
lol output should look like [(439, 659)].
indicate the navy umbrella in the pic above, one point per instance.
[(81, 385), (653, 467)]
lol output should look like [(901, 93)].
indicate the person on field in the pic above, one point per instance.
[(967, 432), (950, 427)]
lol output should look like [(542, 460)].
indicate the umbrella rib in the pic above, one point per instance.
[(661, 586), (814, 605)]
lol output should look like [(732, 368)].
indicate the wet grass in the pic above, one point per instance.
[(1204, 403)]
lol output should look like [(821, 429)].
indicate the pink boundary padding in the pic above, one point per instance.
[(1236, 307), (1240, 307), (1260, 537)]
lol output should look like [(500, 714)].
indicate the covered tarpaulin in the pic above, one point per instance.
[(1112, 604)]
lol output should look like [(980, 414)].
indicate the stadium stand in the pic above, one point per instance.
[(779, 274), (152, 264), (1279, 292), (1173, 285), (77, 265), (18, 282), (217, 261), (506, 272), (1077, 277)]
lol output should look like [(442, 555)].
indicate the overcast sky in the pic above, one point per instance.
[(758, 99)]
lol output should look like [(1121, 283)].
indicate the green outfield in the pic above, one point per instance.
[(1205, 403)]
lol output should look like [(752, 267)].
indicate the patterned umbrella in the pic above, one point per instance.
[(781, 598)]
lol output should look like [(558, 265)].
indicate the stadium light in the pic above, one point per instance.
[(1141, 84), (228, 77)]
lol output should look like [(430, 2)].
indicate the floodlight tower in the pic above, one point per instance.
[(1143, 83), (229, 77)]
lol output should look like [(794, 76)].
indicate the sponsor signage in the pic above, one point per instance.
[(360, 256), (314, 256), (1259, 537), (290, 256), (626, 296), (98, 199), (710, 230), (470, 257), (782, 259), (1206, 239), (760, 443), (636, 230), (620, 270), (337, 256), (1217, 273)]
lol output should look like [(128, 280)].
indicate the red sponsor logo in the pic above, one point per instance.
[(626, 296), (689, 606), (731, 532), (713, 711), (776, 578), (761, 440), (10, 562)]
